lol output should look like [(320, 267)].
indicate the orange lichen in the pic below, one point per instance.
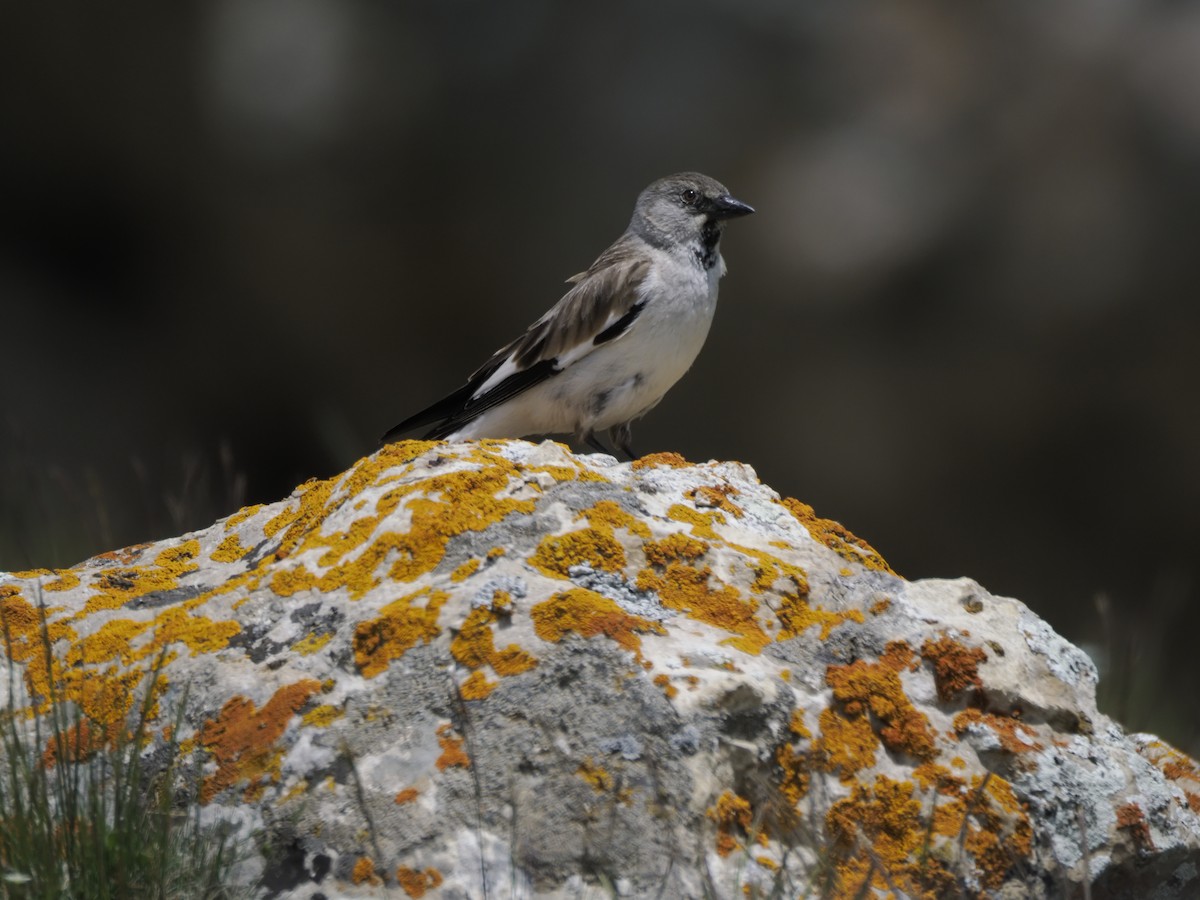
[(673, 460), (476, 686), (1178, 768), (474, 646), (1014, 736), (596, 547), (863, 686), (886, 814), (416, 883), (898, 655), (78, 742), (880, 606), (364, 872), (125, 555), (664, 682), (730, 813), (910, 845), (588, 614), (1131, 818), (398, 628), (408, 795), (955, 666), (713, 495), (242, 738), (229, 550), (595, 775), (453, 755), (836, 537), (847, 743)]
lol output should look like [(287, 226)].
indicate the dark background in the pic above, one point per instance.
[(239, 240)]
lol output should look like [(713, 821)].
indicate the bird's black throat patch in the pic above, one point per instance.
[(710, 236)]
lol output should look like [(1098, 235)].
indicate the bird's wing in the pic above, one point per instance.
[(600, 306)]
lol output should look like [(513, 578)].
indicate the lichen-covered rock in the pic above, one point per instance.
[(500, 669)]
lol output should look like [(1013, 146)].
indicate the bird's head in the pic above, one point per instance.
[(684, 208)]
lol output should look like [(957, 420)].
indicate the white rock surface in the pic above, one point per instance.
[(503, 670)]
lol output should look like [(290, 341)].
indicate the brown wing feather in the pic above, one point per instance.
[(605, 291)]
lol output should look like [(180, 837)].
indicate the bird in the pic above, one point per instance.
[(625, 332)]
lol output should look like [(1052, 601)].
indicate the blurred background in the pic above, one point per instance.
[(240, 239)]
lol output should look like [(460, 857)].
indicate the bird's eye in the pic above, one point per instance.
[(689, 197)]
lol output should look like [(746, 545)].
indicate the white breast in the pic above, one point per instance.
[(622, 380)]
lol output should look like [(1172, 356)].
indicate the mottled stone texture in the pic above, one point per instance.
[(500, 669)]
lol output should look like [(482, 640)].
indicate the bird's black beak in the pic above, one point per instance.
[(726, 207)]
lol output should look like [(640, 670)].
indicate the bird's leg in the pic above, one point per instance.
[(622, 436), (589, 438)]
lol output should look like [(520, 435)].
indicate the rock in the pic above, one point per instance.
[(499, 669)]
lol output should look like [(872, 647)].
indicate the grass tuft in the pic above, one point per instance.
[(95, 812)]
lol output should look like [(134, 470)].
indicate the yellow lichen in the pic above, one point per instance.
[(673, 460), (701, 522), (796, 616), (200, 634), (595, 775), (241, 516), (474, 646), (847, 743), (321, 716), (595, 547), (66, 580), (476, 686), (609, 515), (439, 508), (674, 547), (117, 586), (311, 643), (688, 589), (836, 537), (588, 614), (466, 570), (229, 550)]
